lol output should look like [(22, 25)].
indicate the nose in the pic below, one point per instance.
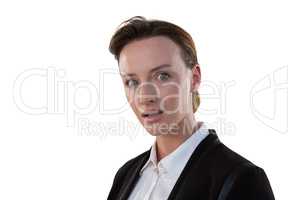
[(147, 93)]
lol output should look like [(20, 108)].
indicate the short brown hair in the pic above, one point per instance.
[(139, 27)]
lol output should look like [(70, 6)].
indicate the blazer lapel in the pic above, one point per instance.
[(183, 189), (179, 189)]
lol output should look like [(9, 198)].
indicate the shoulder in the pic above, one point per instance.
[(230, 157), (132, 163), (216, 156), (241, 178), (227, 173), (226, 162), (246, 181), (124, 171)]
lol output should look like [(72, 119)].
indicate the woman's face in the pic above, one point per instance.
[(156, 80)]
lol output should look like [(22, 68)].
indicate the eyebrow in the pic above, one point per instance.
[(152, 70)]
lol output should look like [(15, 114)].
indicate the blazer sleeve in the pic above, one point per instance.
[(247, 182), (117, 182), (115, 186)]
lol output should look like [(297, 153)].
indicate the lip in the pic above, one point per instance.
[(152, 118)]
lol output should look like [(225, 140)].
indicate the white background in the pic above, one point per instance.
[(47, 151)]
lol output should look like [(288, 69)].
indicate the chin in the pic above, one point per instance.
[(156, 129)]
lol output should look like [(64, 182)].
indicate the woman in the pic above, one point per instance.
[(161, 75)]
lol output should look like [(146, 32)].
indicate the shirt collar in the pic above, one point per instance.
[(176, 160)]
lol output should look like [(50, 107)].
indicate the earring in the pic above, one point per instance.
[(196, 100)]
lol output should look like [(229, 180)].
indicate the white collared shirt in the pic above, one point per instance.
[(158, 179)]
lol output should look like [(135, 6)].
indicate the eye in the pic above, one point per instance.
[(163, 76), (131, 82)]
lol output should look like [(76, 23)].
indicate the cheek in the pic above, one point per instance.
[(132, 100), (129, 95), (174, 99)]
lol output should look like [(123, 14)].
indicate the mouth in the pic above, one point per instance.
[(153, 116)]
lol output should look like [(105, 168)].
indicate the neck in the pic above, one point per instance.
[(167, 143)]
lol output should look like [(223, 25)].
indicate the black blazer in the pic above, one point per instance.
[(213, 172)]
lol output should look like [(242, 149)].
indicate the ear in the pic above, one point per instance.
[(196, 77)]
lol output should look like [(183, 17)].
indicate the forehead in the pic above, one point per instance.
[(143, 55)]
